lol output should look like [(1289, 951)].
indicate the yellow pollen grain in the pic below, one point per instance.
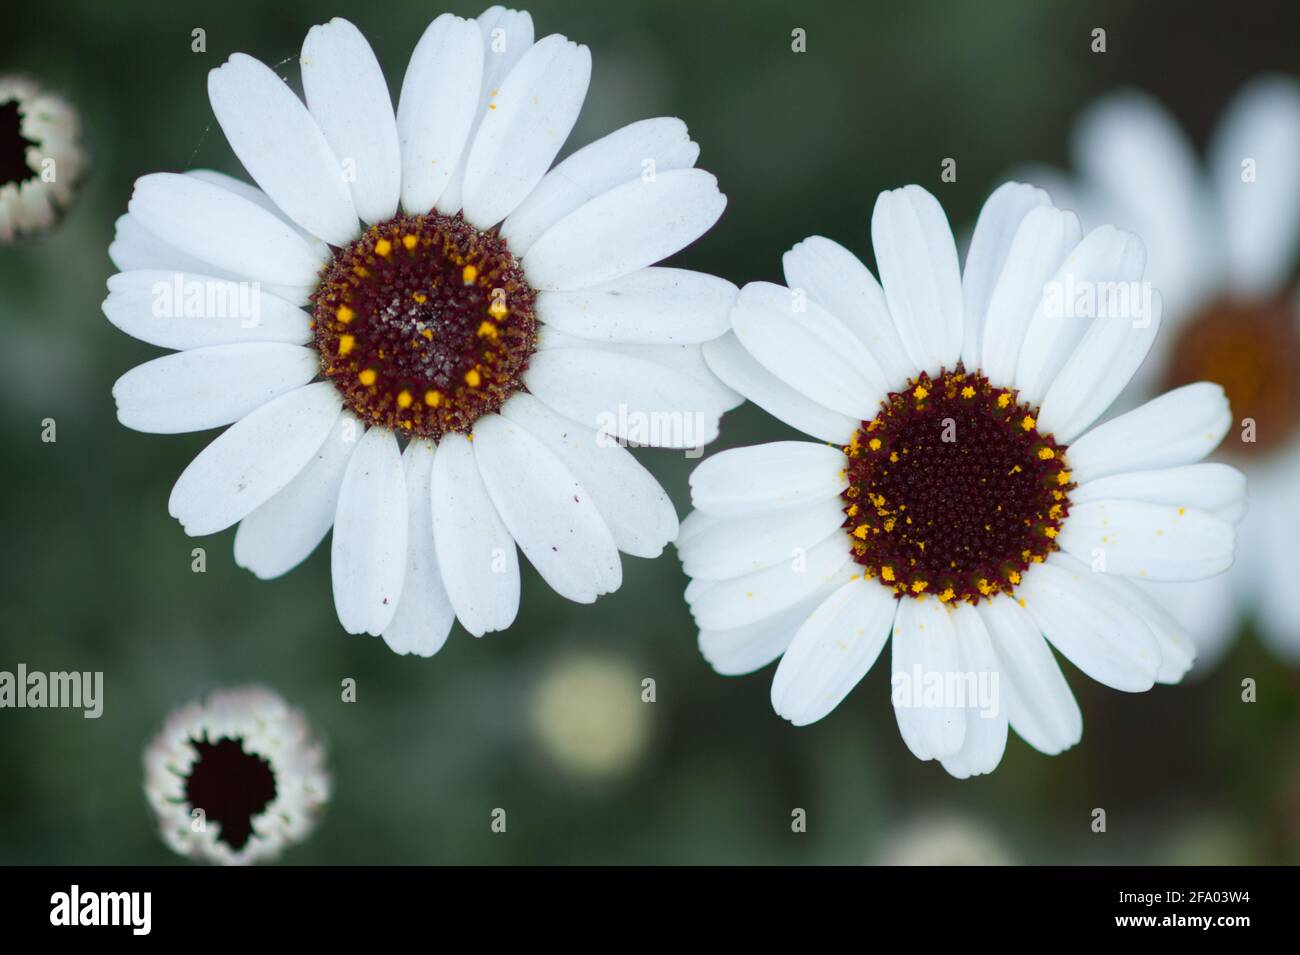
[(947, 595), (918, 586), (367, 377), (498, 309), (1014, 576), (432, 398), (469, 274), (893, 457), (874, 444), (473, 378), (1063, 477), (886, 572), (428, 334), (1028, 422), (920, 392), (345, 314), (346, 343), (404, 399), (409, 241), (968, 392), (1050, 531), (487, 330), (420, 297), (1004, 399), (1046, 454), (860, 532), (383, 247)]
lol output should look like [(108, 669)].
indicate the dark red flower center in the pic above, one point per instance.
[(13, 145), (231, 786), (953, 491), (425, 324), (1251, 348)]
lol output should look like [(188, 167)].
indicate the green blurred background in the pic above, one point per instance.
[(96, 576)]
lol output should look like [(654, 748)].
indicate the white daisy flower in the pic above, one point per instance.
[(959, 497), (505, 323), (1223, 246), (236, 777), (41, 159)]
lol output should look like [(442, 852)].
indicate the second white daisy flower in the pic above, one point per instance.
[(960, 498)]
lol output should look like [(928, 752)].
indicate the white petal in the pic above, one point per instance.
[(253, 459), (985, 709), (1179, 427), (1045, 237), (1261, 213), (625, 229), (635, 399), (155, 307), (634, 507), (925, 656), (134, 248), (808, 349), (506, 36), (1094, 631), (1177, 651), (246, 190), (744, 600), (424, 613), (657, 145), (527, 122), (1207, 612), (1152, 541), (211, 224), (1038, 701), (476, 553), (210, 387), (917, 259), (282, 148), (368, 553), (740, 370), (767, 477), (833, 651), (348, 97), (1105, 256), (550, 516), (283, 532), (738, 650), (652, 306), (995, 231), (439, 99), (838, 281), (1099, 369), (731, 548), (1133, 154), (1215, 488)]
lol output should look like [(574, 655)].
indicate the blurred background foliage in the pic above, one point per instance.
[(94, 575)]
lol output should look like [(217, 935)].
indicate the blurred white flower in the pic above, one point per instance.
[(235, 777), (41, 158), (588, 715), (1222, 241), (943, 839)]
